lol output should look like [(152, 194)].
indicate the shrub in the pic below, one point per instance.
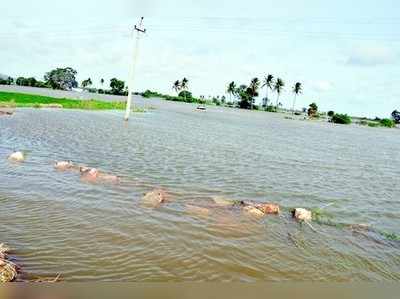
[(313, 110), (185, 94), (341, 119), (147, 94), (386, 122), (271, 109), (331, 113), (216, 101), (152, 94), (6, 81), (373, 125)]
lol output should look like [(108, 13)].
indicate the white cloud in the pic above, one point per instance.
[(372, 56)]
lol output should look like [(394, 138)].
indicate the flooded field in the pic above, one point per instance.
[(102, 232)]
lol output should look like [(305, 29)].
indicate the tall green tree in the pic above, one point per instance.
[(253, 90), (297, 89), (278, 87), (231, 89), (117, 86), (185, 86), (268, 83), (102, 81), (61, 78), (243, 92)]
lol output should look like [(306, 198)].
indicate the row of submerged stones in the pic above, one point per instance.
[(158, 197), (153, 199)]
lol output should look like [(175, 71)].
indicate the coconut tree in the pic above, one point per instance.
[(102, 81), (278, 87), (253, 90), (177, 86), (231, 90), (297, 89), (185, 86), (269, 85)]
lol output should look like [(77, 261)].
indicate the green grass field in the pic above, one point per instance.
[(8, 99)]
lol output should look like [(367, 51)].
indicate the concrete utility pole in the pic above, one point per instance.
[(139, 29)]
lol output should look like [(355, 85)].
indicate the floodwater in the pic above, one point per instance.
[(58, 224)]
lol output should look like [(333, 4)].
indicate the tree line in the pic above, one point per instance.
[(241, 96), (65, 79), (246, 94)]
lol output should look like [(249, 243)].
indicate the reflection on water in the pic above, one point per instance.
[(59, 224)]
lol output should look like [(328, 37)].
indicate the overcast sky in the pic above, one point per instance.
[(347, 54)]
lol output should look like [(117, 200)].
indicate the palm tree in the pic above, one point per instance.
[(231, 90), (278, 87), (297, 89), (269, 84), (253, 89), (177, 86), (185, 83), (102, 81), (185, 86)]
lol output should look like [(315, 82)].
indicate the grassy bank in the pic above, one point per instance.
[(8, 99)]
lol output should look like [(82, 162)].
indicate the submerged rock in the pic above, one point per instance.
[(108, 178), (17, 157), (63, 165), (302, 214), (223, 202), (155, 198), (89, 174), (94, 175), (197, 211), (253, 211), (8, 270), (268, 208)]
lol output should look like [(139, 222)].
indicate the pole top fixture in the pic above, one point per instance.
[(139, 27)]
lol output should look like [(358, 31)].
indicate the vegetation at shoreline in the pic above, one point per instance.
[(343, 119), (12, 100), (240, 96), (377, 122)]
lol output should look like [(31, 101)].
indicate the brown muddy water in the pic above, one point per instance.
[(97, 232)]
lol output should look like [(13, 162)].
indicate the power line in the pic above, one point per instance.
[(227, 26)]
